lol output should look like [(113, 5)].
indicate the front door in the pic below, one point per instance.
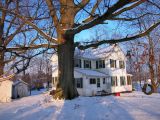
[(108, 84)]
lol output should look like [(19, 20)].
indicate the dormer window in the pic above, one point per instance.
[(121, 64), (87, 64), (77, 63), (100, 64), (112, 63)]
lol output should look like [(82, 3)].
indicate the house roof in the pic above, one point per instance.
[(88, 72), (100, 52), (6, 78), (94, 54), (129, 75)]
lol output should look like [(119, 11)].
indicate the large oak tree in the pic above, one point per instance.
[(64, 15)]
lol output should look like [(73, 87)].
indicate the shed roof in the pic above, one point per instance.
[(19, 81)]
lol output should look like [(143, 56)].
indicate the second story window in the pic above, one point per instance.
[(77, 63), (121, 64), (100, 64), (87, 64), (112, 63)]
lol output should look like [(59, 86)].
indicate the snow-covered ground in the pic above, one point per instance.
[(129, 106), (36, 92)]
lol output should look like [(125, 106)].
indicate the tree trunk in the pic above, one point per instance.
[(155, 88), (66, 88), (1, 48), (1, 62), (151, 65)]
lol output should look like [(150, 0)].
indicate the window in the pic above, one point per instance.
[(100, 64), (114, 81), (121, 64), (79, 82), (52, 80), (55, 80), (92, 81), (77, 63), (108, 82), (87, 64), (129, 82), (104, 81), (122, 80), (98, 82), (113, 63)]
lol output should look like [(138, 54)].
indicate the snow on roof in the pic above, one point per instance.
[(19, 81), (97, 53), (84, 53), (94, 54), (129, 75), (90, 72)]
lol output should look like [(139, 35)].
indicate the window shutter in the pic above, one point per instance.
[(81, 82), (80, 63), (116, 81), (84, 64), (103, 64), (90, 81), (96, 64)]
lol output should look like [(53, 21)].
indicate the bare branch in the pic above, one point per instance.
[(52, 12), (152, 3), (81, 5), (9, 38), (10, 25), (129, 8), (10, 60), (132, 19), (47, 37), (92, 16), (113, 41), (98, 20), (20, 48)]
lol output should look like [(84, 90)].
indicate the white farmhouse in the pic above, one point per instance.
[(97, 70)]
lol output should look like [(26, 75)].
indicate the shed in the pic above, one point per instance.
[(20, 89), (5, 90)]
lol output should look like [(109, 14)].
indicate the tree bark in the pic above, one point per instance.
[(1, 62), (155, 88), (1, 48), (66, 88), (151, 65)]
